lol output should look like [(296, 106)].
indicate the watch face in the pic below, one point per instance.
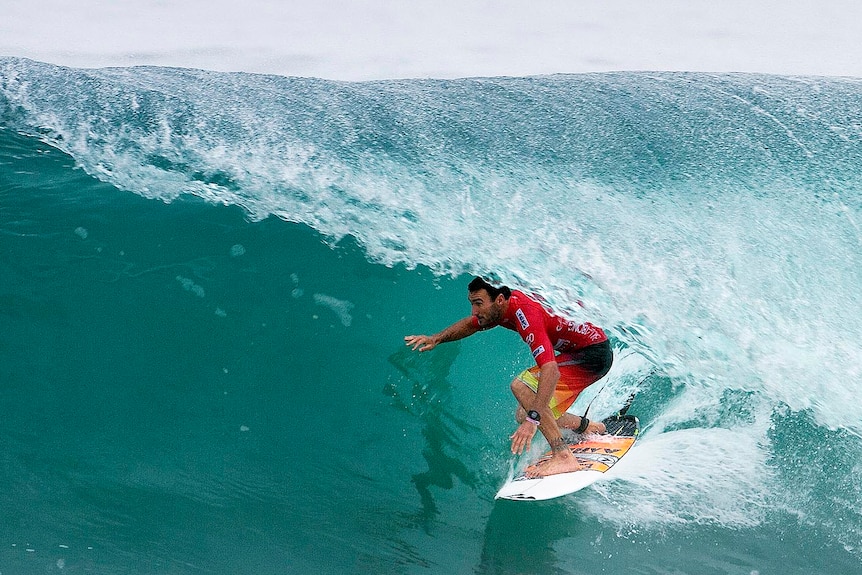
[(532, 414)]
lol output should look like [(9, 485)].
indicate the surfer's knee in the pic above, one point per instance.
[(520, 389)]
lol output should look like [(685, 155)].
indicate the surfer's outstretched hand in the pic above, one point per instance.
[(420, 342), (522, 437)]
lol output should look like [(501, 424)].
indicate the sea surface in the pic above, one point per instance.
[(206, 278)]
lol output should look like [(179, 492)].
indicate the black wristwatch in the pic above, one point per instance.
[(534, 416)]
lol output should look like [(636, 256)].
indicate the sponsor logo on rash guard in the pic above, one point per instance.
[(522, 319), (538, 351)]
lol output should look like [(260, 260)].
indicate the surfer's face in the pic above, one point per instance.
[(486, 310)]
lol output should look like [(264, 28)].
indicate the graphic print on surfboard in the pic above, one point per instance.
[(595, 453)]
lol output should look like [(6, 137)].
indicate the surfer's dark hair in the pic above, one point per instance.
[(480, 284)]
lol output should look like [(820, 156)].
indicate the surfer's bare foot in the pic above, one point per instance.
[(596, 427), (553, 466)]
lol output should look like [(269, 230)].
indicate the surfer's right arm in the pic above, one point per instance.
[(458, 330)]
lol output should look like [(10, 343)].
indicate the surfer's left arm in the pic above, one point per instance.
[(530, 327), (549, 374)]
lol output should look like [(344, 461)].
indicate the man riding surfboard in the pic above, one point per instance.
[(569, 357)]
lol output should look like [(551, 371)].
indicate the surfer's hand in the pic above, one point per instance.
[(420, 342), (522, 437)]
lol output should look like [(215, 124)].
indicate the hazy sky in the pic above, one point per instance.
[(367, 39)]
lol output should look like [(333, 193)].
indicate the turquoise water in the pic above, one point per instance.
[(205, 280)]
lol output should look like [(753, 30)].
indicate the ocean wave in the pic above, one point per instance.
[(717, 213), (710, 221)]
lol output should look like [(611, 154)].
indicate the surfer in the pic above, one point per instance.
[(546, 390)]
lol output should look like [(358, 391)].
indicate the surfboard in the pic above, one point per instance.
[(596, 454)]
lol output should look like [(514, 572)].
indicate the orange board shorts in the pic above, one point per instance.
[(578, 370)]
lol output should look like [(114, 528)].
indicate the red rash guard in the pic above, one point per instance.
[(543, 331)]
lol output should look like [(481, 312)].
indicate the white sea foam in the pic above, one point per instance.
[(696, 476), (190, 286), (340, 307)]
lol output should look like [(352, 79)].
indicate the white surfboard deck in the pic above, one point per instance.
[(595, 453)]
